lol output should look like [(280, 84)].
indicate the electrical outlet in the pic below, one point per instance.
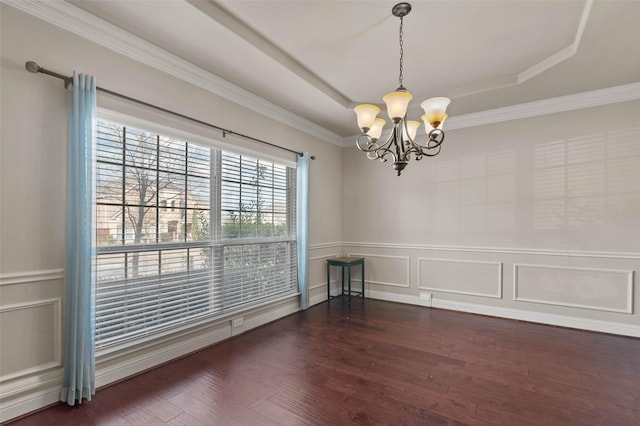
[(237, 322), (424, 296)]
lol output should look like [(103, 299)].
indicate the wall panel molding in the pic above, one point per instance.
[(55, 323), (407, 259), (627, 276), (31, 276), (503, 250), (316, 258), (496, 295)]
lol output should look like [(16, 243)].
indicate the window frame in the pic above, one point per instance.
[(216, 244)]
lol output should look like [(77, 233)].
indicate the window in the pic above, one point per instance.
[(227, 241)]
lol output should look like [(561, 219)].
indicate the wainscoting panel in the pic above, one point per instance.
[(470, 277), (591, 288), (392, 271), (318, 271), (30, 338)]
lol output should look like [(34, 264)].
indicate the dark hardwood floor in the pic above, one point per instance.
[(382, 363)]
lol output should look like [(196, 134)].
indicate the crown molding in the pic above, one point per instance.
[(593, 98), (73, 19), (534, 70)]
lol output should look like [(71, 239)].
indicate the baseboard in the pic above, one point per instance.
[(322, 296), (517, 314), (28, 403), (32, 393), (136, 364), (273, 313), (168, 351)]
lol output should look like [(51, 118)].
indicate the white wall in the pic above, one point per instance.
[(33, 200), (536, 219)]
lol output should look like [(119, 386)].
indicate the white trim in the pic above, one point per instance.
[(267, 316), (165, 353), (408, 299), (576, 101), (505, 250), (136, 363), (324, 245), (31, 383), (71, 18), (31, 276), (593, 98), (57, 336), (407, 258), (195, 133), (563, 54), (159, 338), (623, 329), (628, 310), (30, 402), (444, 290), (90, 27)]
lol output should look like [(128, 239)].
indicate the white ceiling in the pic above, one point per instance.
[(318, 58)]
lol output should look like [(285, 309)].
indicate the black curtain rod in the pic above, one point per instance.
[(35, 68)]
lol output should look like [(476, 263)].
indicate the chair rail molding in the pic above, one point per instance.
[(503, 250), (31, 276)]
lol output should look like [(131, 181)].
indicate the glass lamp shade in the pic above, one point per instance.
[(366, 115), (376, 129), (397, 103), (428, 126), (412, 128), (435, 111)]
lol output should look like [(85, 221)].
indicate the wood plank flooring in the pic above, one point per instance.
[(382, 363)]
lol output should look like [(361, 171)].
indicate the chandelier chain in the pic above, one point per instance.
[(401, 52)]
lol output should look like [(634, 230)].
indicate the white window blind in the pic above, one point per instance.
[(185, 233)]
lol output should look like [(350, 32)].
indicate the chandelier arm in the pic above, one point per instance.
[(371, 144), (431, 153), (416, 150), (436, 137), (380, 151)]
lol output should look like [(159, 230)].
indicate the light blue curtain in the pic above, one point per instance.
[(79, 360), (302, 221)]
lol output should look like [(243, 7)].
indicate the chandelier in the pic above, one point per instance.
[(401, 143)]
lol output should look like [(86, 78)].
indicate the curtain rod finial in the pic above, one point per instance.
[(32, 66)]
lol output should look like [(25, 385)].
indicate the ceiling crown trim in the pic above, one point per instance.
[(534, 70), (593, 98), (90, 27)]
